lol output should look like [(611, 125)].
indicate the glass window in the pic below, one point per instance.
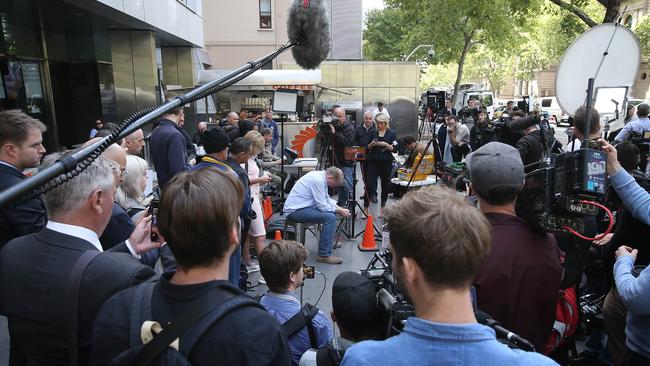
[(486, 100), (546, 103), (265, 14)]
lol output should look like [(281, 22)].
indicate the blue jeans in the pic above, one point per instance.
[(345, 191), (313, 215)]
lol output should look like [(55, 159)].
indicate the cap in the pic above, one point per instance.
[(354, 299), (495, 165), (214, 140)]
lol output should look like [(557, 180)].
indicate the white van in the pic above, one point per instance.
[(552, 108)]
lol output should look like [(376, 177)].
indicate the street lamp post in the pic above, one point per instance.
[(431, 52)]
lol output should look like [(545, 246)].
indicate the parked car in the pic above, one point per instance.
[(498, 112), (552, 107)]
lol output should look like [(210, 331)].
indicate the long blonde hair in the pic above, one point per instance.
[(257, 141)]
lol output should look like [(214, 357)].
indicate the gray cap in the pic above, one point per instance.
[(495, 165)]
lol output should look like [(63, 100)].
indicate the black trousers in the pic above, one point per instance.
[(378, 169), (458, 152), (631, 358)]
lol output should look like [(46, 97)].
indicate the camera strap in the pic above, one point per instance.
[(300, 320)]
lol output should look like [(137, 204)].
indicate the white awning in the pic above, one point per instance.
[(267, 79)]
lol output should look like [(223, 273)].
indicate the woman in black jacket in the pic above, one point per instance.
[(379, 159)]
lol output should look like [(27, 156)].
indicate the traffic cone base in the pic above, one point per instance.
[(368, 244)]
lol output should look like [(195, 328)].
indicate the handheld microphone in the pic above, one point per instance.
[(502, 332), (308, 27)]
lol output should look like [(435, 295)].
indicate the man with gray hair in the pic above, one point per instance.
[(309, 202), (41, 273)]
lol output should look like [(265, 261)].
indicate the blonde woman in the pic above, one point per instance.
[(379, 159), (130, 194), (256, 176)]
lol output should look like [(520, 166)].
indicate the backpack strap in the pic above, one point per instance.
[(72, 288), (140, 311), (302, 318), (327, 357), (210, 302), (192, 337)]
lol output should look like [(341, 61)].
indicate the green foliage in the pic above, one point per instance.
[(382, 38), (642, 30)]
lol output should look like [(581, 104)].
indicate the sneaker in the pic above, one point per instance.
[(261, 281), (253, 267), (329, 260)]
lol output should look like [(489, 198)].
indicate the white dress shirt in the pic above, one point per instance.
[(76, 231), (310, 191)]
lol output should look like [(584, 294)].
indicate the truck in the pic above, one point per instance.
[(476, 92)]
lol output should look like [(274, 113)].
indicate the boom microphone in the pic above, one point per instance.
[(502, 332), (308, 27)]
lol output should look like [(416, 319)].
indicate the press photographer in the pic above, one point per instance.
[(343, 132), (519, 281), (638, 126), (482, 132), (455, 139), (436, 256)]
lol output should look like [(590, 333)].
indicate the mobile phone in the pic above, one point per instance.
[(308, 271), (153, 211)]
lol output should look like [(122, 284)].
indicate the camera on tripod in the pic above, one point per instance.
[(324, 125), (566, 189)]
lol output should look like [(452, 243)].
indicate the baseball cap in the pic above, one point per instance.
[(354, 300), (214, 140), (495, 165)]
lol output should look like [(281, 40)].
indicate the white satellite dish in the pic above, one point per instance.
[(609, 52)]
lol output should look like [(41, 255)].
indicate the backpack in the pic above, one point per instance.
[(165, 348), (566, 319)]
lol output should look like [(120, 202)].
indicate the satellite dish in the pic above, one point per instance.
[(609, 52)]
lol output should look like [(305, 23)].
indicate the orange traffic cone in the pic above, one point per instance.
[(267, 208), (278, 235), (368, 244)]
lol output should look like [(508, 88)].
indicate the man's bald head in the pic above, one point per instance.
[(202, 126), (233, 119), (339, 112), (115, 153), (134, 142)]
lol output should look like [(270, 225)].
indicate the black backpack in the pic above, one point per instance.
[(189, 326)]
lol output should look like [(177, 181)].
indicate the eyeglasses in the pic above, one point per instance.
[(123, 173)]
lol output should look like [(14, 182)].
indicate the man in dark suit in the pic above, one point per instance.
[(21, 147), (35, 269)]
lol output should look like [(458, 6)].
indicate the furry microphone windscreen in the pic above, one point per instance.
[(309, 27)]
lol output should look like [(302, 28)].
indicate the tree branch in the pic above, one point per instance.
[(577, 11)]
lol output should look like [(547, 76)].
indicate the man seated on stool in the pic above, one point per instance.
[(309, 202)]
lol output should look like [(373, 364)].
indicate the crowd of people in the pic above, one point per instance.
[(119, 268)]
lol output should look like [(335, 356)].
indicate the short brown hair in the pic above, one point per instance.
[(16, 125), (196, 219), (446, 236), (279, 260), (580, 121)]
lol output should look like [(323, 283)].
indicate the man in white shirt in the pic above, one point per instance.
[(380, 109), (309, 202), (35, 270)]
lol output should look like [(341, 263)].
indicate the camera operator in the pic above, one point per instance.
[(456, 142), (634, 197), (508, 135), (536, 141), (436, 254), (638, 126), (343, 137), (481, 133), (355, 312), (281, 263), (519, 282), (633, 233)]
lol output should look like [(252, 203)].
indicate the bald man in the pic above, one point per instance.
[(134, 143), (201, 127), (343, 136), (120, 227)]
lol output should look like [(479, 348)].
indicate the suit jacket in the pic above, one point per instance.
[(119, 228), (34, 271), (22, 219)]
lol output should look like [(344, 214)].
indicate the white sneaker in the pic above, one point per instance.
[(253, 267), (261, 281)]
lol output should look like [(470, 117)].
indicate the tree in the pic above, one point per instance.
[(456, 27), (642, 30), (579, 8), (382, 38)]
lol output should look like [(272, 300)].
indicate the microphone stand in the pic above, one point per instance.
[(71, 165)]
